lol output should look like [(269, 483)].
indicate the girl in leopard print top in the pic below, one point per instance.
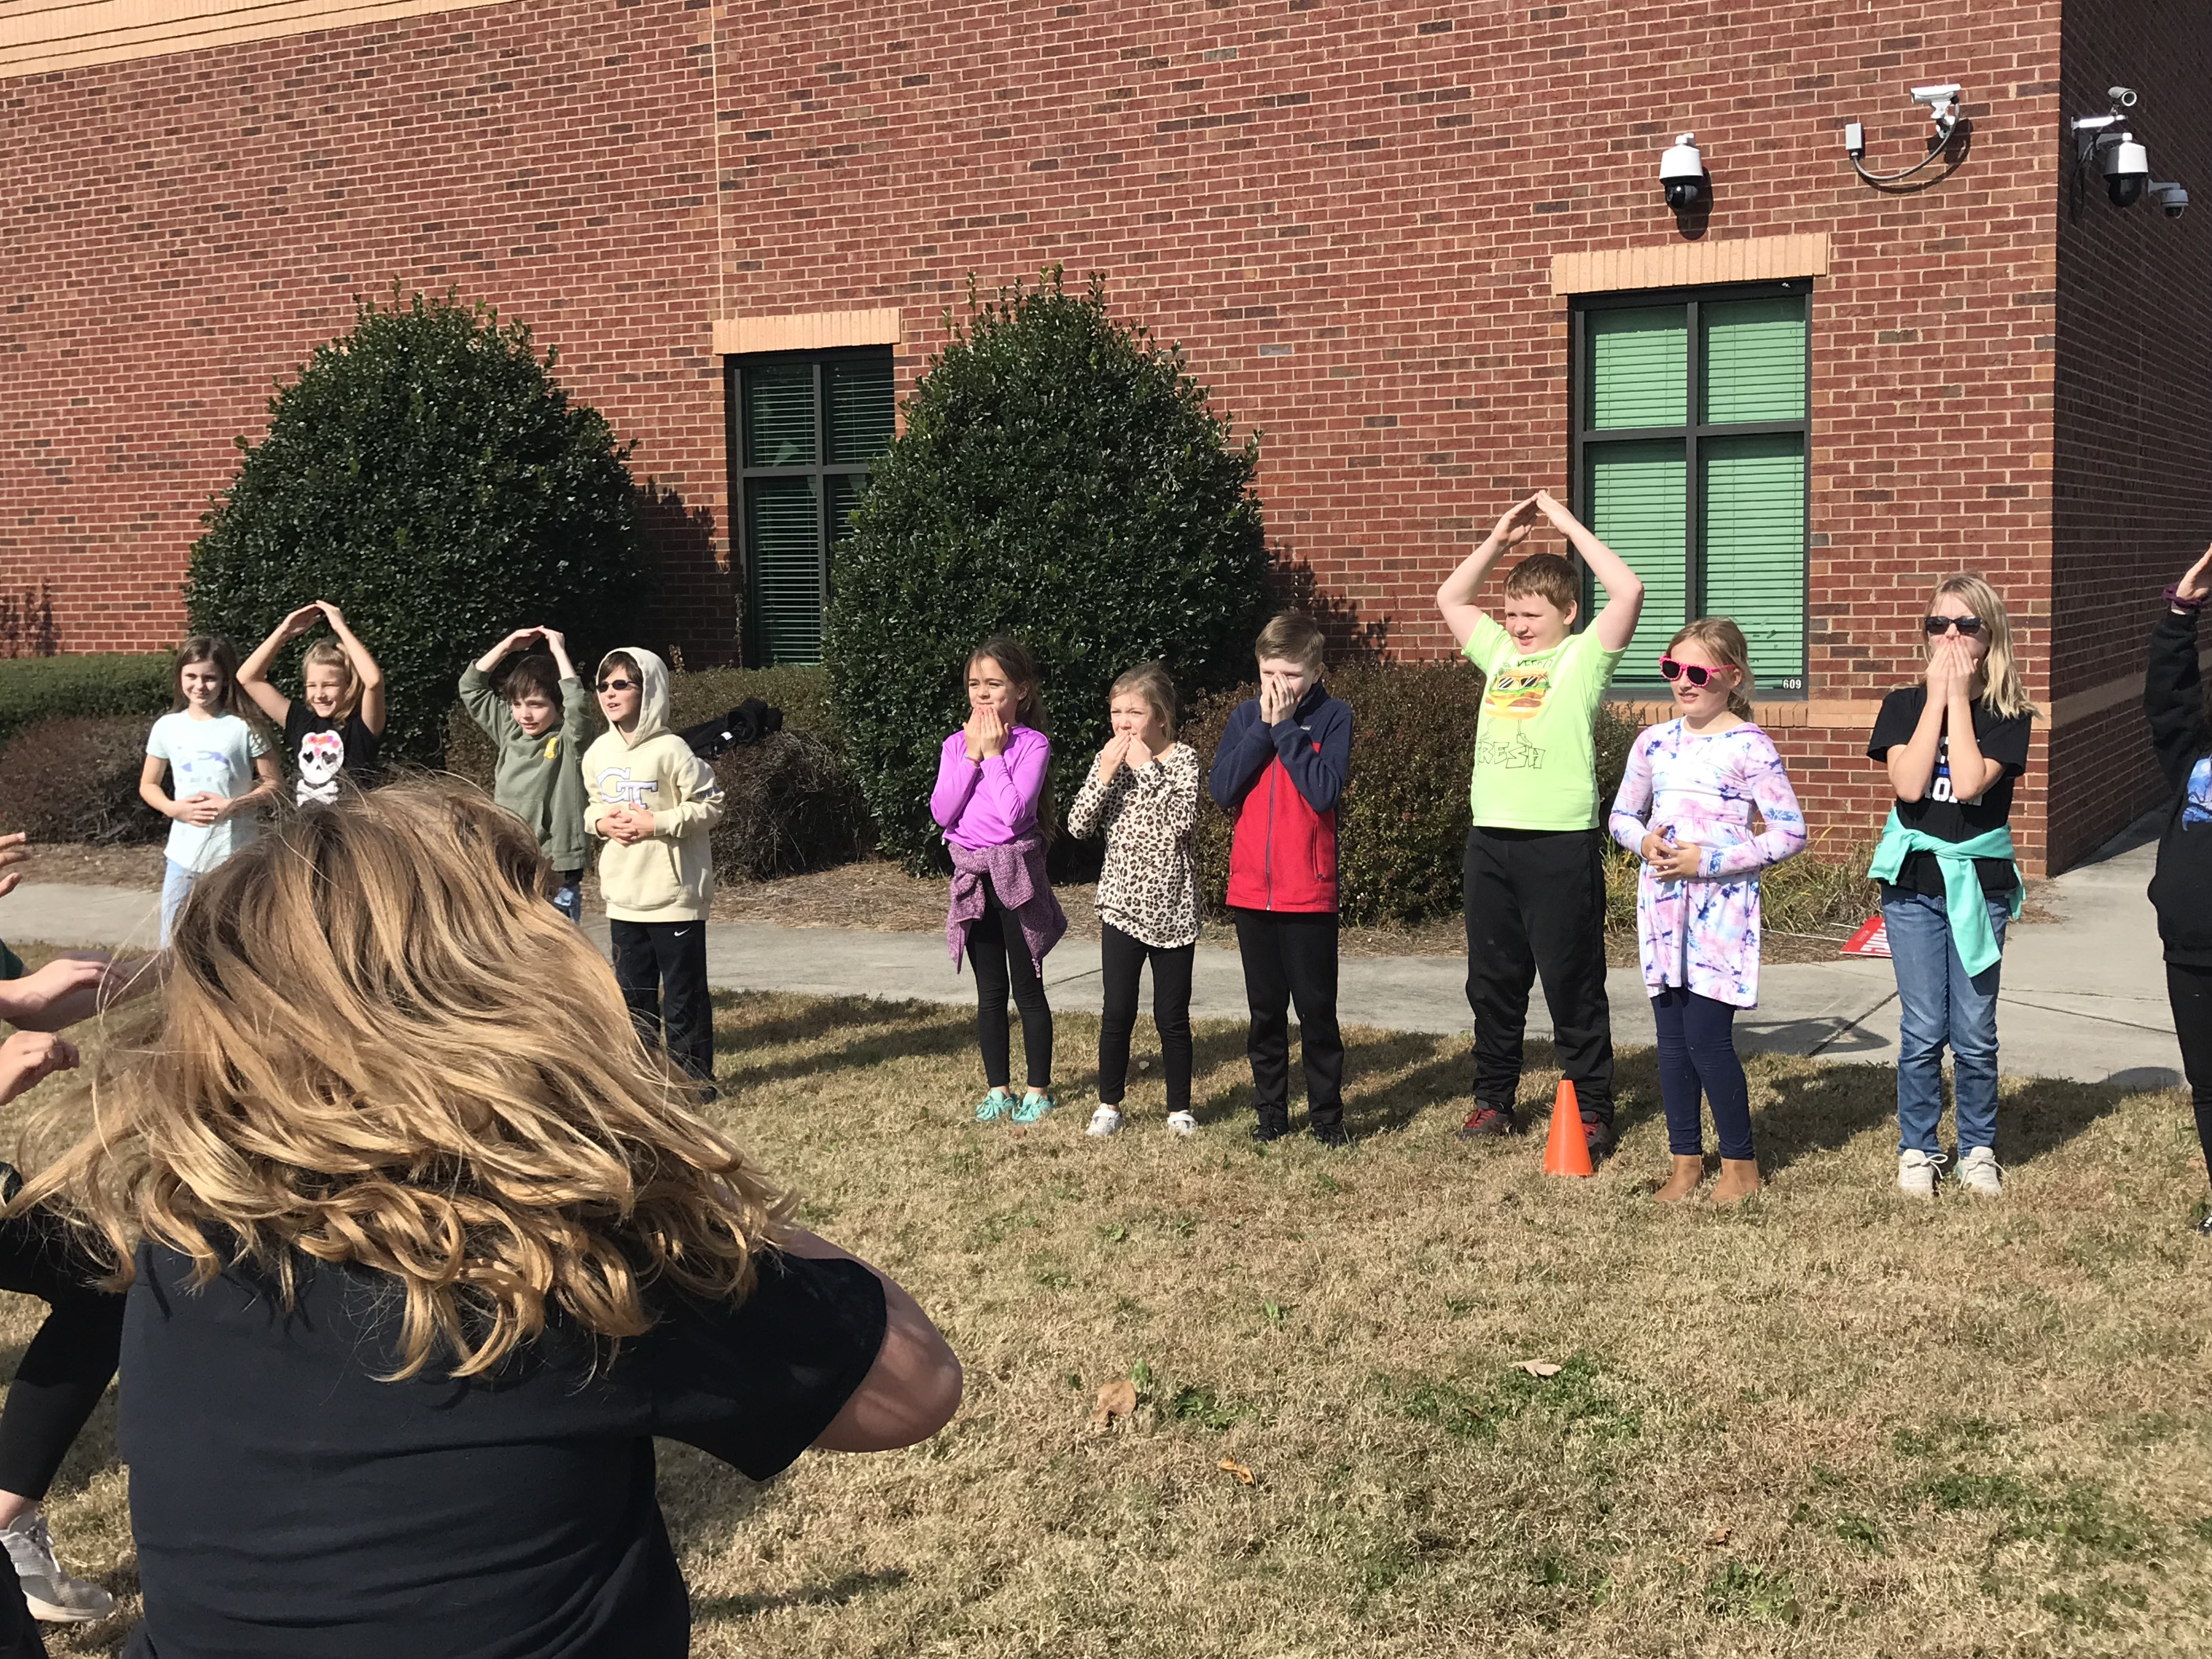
[(1143, 795)]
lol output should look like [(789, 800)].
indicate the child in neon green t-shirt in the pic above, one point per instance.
[(1534, 880)]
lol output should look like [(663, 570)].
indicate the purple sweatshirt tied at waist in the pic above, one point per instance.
[(1016, 871)]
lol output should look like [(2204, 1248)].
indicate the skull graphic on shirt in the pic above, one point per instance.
[(322, 756)]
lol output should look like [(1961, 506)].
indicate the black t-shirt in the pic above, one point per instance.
[(288, 1505), (2001, 738), (321, 749)]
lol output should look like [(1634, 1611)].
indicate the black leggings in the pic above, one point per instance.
[(62, 1374), (2189, 990), (1000, 955), (1696, 1053), (1121, 959)]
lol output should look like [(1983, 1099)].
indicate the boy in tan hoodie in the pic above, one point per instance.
[(653, 802)]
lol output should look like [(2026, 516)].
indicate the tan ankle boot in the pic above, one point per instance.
[(1739, 1181), (1689, 1171)]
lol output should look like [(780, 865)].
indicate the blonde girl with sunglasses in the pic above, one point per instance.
[(1685, 804), (1954, 745)]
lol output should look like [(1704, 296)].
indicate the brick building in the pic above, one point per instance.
[(1423, 246)]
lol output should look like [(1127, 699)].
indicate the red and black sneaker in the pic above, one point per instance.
[(1489, 1123), (1597, 1135)]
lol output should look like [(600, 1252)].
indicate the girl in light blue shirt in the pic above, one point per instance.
[(220, 770)]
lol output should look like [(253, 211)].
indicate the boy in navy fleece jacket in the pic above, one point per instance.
[(1279, 770)]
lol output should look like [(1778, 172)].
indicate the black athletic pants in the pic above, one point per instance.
[(1535, 909), (1290, 956), (1121, 959), (661, 967), (2189, 990), (1000, 957), (62, 1374)]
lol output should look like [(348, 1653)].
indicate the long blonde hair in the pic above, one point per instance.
[(1722, 637), (382, 1048), (2003, 688)]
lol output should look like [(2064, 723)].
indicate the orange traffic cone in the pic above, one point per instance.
[(1567, 1151)]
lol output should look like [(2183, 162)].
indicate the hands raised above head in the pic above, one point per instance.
[(2196, 584)]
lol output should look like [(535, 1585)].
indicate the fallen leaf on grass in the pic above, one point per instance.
[(1114, 1400), (1537, 1367), (1720, 1535), (1244, 1476)]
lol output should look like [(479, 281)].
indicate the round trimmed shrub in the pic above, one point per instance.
[(427, 475), (1061, 477)]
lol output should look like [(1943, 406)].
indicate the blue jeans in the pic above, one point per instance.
[(568, 894), (176, 887), (1938, 1002)]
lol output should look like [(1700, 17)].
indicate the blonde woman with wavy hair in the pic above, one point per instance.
[(424, 1248), (1954, 745)]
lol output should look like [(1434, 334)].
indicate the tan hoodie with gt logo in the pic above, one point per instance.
[(670, 875)]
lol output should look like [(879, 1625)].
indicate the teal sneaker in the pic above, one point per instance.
[(996, 1105), (1035, 1104)]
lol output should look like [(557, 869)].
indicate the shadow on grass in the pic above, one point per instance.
[(883, 1031), (2045, 1114), (1815, 1112), (847, 1587), (846, 1013)]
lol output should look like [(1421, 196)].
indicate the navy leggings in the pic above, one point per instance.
[(1696, 1053)]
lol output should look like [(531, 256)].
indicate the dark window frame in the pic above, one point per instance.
[(1694, 431), (821, 469)]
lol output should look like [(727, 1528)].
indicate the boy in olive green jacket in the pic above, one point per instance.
[(535, 713)]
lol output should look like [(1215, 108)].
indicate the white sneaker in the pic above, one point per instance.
[(1183, 1123), (1104, 1122), (1979, 1172), (1916, 1172), (51, 1593)]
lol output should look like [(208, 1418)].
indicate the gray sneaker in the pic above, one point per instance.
[(51, 1593)]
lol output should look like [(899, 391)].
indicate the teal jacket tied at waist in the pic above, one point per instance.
[(1963, 901)]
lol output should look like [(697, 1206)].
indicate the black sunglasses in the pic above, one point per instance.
[(1693, 672), (617, 685), (1938, 626)]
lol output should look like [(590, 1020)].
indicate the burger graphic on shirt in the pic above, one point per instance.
[(1515, 694)]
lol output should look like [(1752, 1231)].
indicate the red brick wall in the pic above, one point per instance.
[(2132, 480), (1345, 211), (180, 231)]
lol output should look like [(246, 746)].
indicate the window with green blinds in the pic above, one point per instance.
[(804, 431), (1690, 431)]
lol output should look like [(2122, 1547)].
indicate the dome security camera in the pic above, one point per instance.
[(1683, 176), (2173, 197), (2127, 170)]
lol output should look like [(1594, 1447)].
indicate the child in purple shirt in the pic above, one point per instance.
[(993, 791)]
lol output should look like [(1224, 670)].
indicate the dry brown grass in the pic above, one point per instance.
[(1833, 1423)]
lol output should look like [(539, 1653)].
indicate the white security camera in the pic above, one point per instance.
[(2171, 197), (1682, 175), (2127, 168), (2122, 97)]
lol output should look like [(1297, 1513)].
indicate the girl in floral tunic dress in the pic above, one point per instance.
[(1685, 807)]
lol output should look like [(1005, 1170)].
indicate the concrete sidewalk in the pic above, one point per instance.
[(2084, 996)]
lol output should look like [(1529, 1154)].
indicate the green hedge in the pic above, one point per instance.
[(1402, 821), (427, 474), (33, 688), (74, 780), (1062, 477)]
